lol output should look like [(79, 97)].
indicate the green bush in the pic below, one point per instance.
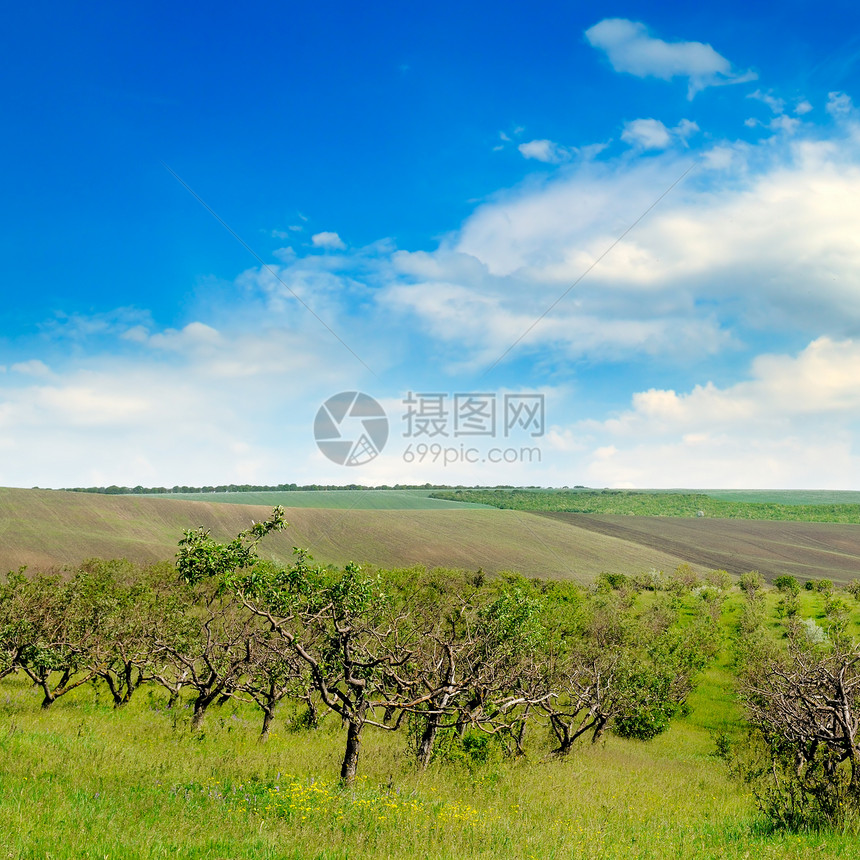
[(612, 581), (646, 721), (787, 584)]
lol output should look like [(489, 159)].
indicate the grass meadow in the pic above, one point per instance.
[(85, 780), (361, 500)]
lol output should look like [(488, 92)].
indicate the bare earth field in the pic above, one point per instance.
[(804, 550)]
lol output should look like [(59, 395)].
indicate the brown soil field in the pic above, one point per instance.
[(804, 550)]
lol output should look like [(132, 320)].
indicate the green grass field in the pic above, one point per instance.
[(784, 497), (84, 780), (359, 500), (656, 504)]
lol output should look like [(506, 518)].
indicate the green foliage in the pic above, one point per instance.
[(474, 749), (751, 584), (649, 716), (719, 579), (800, 753), (789, 605), (201, 557), (787, 584), (643, 503), (608, 581)]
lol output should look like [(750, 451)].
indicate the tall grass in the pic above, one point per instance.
[(84, 780)]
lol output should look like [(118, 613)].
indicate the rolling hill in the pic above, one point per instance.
[(46, 529), (51, 528)]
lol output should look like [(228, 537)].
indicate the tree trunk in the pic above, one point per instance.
[(49, 699), (598, 731), (268, 716), (201, 703), (428, 739), (353, 747)]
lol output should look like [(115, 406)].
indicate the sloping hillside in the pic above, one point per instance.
[(804, 550), (49, 528)]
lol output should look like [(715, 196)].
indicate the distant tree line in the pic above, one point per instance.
[(114, 490)]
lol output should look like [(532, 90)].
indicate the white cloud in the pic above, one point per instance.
[(82, 327), (194, 335), (686, 128), (646, 134), (33, 367), (756, 245), (839, 105), (784, 124), (631, 48), (781, 123), (775, 104), (329, 241), (653, 134), (790, 424), (544, 150), (192, 406)]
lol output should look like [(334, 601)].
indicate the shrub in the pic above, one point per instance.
[(612, 581), (719, 579), (799, 756), (787, 584), (788, 606), (751, 584)]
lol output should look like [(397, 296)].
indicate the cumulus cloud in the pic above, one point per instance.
[(777, 105), (780, 123), (789, 424), (329, 241), (193, 405), (545, 150), (631, 48), (653, 134), (757, 245)]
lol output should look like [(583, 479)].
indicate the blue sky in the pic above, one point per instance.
[(645, 213)]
